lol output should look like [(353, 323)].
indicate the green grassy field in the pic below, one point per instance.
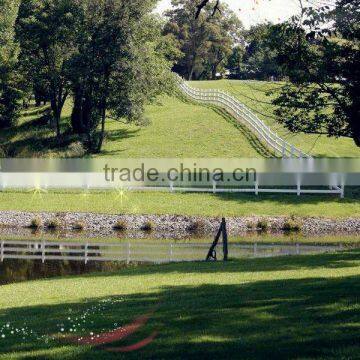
[(182, 203), (253, 95), (177, 129), (291, 307)]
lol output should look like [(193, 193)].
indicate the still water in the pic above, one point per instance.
[(40, 258)]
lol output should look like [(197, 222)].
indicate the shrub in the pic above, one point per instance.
[(197, 226), (76, 150), (79, 226), (292, 225), (250, 225), (36, 223), (148, 226), (121, 225), (53, 224), (263, 225)]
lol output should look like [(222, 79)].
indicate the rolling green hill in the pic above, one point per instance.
[(177, 129), (253, 95)]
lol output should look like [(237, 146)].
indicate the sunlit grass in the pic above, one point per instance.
[(254, 95), (108, 202)]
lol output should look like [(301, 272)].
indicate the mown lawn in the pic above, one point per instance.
[(280, 308), (176, 129), (253, 94), (182, 203)]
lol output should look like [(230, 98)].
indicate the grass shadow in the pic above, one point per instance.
[(305, 318)]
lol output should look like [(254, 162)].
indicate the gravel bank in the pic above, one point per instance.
[(102, 223)]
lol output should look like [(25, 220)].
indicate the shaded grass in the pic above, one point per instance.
[(176, 130), (183, 203), (300, 307), (253, 94)]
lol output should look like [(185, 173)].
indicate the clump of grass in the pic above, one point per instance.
[(36, 223), (53, 224), (78, 226), (121, 225), (262, 225), (76, 149), (250, 225), (148, 226), (197, 226), (292, 225)]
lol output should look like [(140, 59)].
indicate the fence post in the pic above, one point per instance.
[(284, 149), (214, 186), (225, 240), (255, 249), (86, 253), (171, 252), (256, 188), (342, 193), (2, 245), (297, 249), (292, 151), (298, 188), (128, 254)]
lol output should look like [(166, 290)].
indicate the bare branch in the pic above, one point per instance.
[(204, 3)]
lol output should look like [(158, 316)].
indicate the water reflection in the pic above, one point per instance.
[(13, 270)]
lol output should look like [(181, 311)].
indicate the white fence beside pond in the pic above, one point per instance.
[(145, 252)]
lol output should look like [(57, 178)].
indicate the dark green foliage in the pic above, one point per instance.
[(205, 41), (121, 225), (148, 226), (10, 93), (262, 225), (118, 68), (197, 227), (260, 60), (292, 225), (46, 31), (36, 223), (322, 60)]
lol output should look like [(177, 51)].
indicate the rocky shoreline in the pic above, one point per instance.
[(181, 225)]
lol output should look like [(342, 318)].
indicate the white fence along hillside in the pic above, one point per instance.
[(245, 116)]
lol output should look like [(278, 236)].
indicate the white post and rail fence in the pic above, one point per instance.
[(245, 116), (332, 183), (143, 252)]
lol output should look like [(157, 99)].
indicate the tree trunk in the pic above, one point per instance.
[(101, 139), (56, 115), (355, 126)]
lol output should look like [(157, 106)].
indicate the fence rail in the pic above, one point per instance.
[(143, 252), (241, 113)]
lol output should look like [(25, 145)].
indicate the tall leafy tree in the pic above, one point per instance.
[(47, 31), (260, 59), (117, 67), (10, 93), (206, 41), (320, 53)]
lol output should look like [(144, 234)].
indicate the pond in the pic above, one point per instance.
[(33, 258)]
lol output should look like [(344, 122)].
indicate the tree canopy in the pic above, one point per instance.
[(108, 56), (205, 42), (320, 55)]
